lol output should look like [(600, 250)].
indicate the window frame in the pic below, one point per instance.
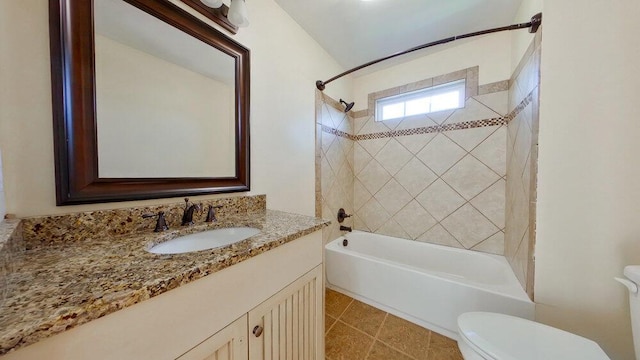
[(421, 93)]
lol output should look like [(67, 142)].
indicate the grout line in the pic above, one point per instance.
[(375, 337)]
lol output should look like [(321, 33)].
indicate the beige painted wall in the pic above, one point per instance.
[(588, 179), (520, 39), (491, 52), (179, 123), (285, 63)]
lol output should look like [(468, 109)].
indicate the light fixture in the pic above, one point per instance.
[(238, 13), (212, 3)]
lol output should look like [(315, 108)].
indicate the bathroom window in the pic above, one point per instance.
[(437, 98)]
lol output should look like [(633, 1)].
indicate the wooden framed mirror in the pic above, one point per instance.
[(148, 102)]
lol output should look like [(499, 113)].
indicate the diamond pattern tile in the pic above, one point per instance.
[(415, 143), (415, 176), (472, 110), (374, 145), (493, 151), (393, 197), (438, 235), (392, 228), (440, 200), (491, 203), (497, 101), (469, 177), (373, 214), (360, 194), (469, 226), (493, 245), (470, 138), (440, 154), (393, 156), (414, 219), (374, 176), (335, 156), (361, 158)]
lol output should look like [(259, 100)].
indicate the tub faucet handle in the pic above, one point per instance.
[(342, 215), (161, 224)]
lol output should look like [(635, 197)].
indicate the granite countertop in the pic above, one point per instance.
[(55, 288)]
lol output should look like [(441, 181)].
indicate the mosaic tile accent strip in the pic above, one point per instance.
[(57, 288), (503, 120), (50, 230)]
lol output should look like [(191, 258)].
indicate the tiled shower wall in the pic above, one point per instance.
[(446, 186), (334, 164), (522, 160), (437, 178)]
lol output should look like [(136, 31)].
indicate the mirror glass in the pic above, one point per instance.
[(165, 100)]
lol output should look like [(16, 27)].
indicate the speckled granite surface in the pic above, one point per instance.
[(68, 283), (11, 249), (47, 230)]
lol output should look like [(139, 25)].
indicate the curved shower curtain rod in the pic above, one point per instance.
[(533, 26)]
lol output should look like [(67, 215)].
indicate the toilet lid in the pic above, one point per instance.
[(503, 337)]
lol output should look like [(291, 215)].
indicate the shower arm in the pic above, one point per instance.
[(533, 26)]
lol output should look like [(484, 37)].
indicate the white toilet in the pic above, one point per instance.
[(632, 273), (492, 336)]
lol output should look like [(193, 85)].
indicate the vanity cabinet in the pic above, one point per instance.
[(289, 324), (229, 343), (283, 327), (279, 291)]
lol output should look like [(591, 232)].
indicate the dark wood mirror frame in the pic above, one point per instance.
[(74, 114)]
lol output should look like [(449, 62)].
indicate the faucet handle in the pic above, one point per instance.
[(342, 215), (161, 224), (211, 213)]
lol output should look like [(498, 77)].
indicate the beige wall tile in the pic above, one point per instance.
[(494, 244), (439, 235), (373, 176), (469, 177), (373, 214), (414, 219), (472, 110), (393, 156), (491, 203), (469, 226), (493, 151), (393, 197), (468, 139), (440, 200), (392, 228), (440, 154), (497, 101), (415, 176)]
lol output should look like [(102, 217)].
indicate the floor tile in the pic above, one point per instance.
[(363, 317), (381, 351), (443, 348), (346, 343), (336, 303), (328, 322), (405, 336)]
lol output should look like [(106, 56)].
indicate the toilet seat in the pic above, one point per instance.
[(502, 337)]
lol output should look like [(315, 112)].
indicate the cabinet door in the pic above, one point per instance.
[(289, 325), (229, 343)]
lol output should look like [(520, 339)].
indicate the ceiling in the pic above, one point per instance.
[(358, 31)]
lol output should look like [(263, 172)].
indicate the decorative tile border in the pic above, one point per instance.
[(503, 120)]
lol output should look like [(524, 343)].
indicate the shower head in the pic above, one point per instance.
[(348, 106)]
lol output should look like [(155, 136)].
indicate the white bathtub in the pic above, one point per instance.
[(427, 284)]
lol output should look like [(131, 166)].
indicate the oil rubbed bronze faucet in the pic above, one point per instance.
[(211, 213), (161, 224), (187, 217)]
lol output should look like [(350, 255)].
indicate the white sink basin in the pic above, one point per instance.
[(204, 240)]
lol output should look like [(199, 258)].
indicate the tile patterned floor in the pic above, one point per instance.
[(356, 331)]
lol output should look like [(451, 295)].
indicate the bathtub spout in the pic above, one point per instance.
[(345, 228)]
